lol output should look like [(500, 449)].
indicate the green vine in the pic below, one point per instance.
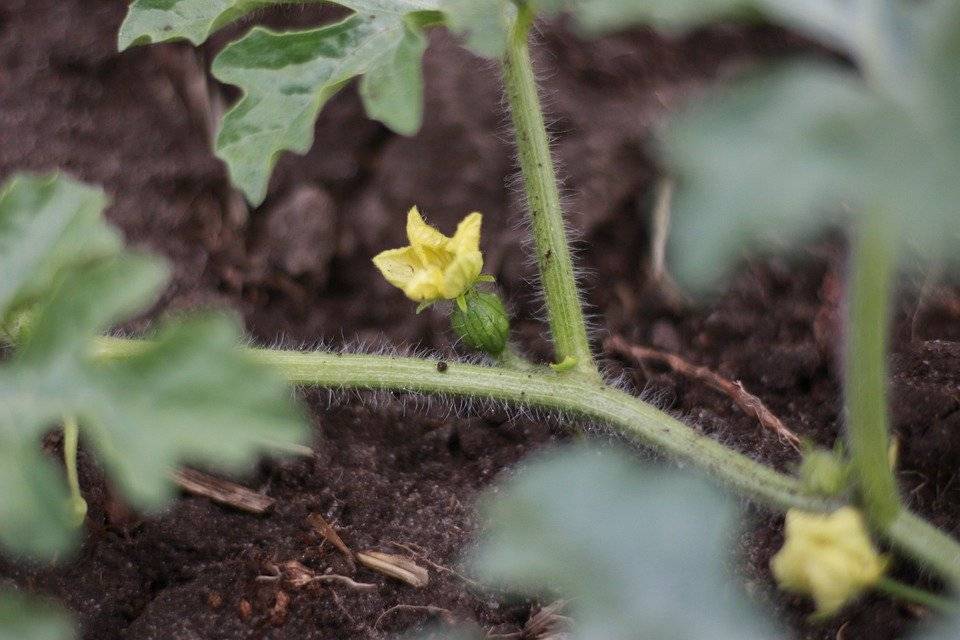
[(579, 395)]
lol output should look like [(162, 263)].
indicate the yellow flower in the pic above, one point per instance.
[(829, 557), (434, 267)]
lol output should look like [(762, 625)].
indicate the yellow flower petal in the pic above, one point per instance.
[(467, 237), (425, 285), (433, 266), (398, 266), (461, 274), (421, 233), (828, 557)]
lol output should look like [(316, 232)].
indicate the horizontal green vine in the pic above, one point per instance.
[(583, 396), (569, 393)]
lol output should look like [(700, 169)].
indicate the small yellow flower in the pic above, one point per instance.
[(434, 267), (829, 557)]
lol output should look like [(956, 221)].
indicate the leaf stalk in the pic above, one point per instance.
[(865, 369), (552, 247), (71, 441)]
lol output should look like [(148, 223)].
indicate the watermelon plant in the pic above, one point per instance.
[(868, 145)]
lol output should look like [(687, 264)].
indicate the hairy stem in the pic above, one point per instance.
[(907, 593), (580, 395), (572, 394), (917, 538), (865, 370), (564, 307), (71, 438)]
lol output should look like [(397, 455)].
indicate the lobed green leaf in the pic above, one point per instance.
[(192, 395), (631, 548), (943, 630), (775, 155), (940, 56), (881, 35), (150, 21), (484, 24), (34, 517), (288, 77)]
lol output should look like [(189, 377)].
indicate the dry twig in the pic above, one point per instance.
[(660, 230), (749, 403), (350, 583), (221, 491), (325, 529), (659, 236), (394, 566)]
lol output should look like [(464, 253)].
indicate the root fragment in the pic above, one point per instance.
[(444, 614), (298, 576), (420, 554), (748, 403)]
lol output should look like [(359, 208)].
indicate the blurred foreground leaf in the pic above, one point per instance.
[(191, 394), (780, 154), (26, 618), (595, 17), (638, 552), (943, 630), (46, 225)]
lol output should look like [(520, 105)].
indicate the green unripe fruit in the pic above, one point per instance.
[(481, 322)]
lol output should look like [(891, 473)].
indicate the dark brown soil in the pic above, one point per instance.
[(297, 270)]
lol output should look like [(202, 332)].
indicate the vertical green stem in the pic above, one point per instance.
[(564, 307), (71, 438), (865, 368)]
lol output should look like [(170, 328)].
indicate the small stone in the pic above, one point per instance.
[(299, 235), (278, 614)]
